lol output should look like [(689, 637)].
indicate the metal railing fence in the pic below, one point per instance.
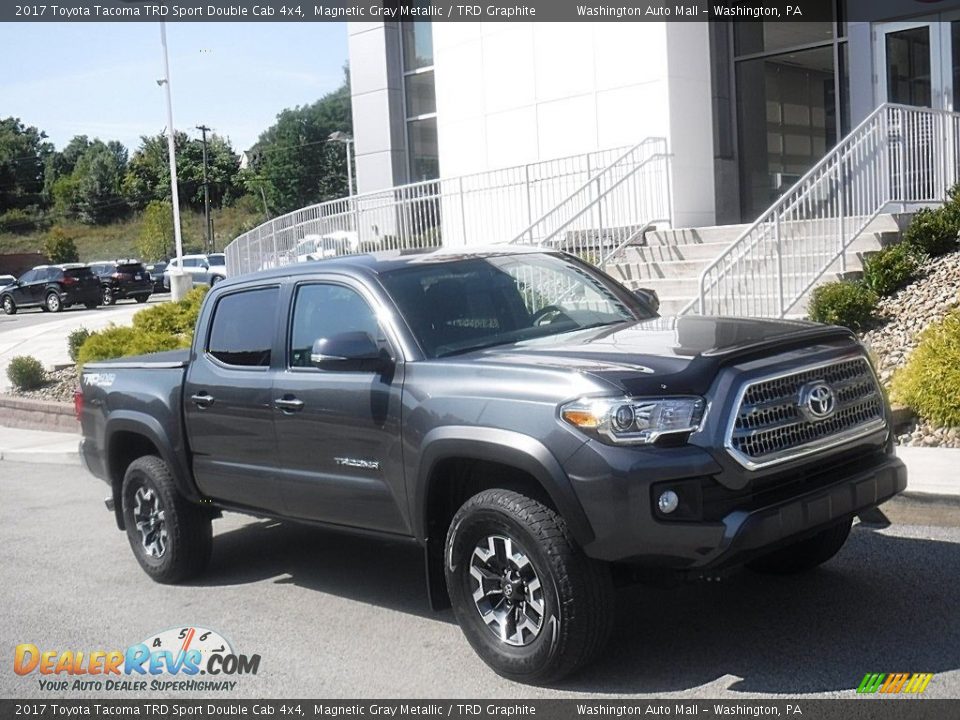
[(609, 209), (482, 208), (898, 156)]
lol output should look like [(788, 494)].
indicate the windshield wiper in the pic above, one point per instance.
[(483, 346)]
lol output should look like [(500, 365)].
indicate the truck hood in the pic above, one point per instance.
[(676, 354)]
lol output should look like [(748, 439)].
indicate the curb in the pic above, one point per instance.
[(39, 457)]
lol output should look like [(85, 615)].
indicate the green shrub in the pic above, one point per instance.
[(933, 232), (75, 340), (172, 318), (844, 303), (26, 373), (890, 269), (167, 326), (930, 381), (116, 342)]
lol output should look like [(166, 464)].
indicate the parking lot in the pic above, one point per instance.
[(340, 616)]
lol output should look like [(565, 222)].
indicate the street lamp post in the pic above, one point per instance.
[(180, 282), (342, 137)]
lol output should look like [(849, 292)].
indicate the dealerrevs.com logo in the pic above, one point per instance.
[(184, 659)]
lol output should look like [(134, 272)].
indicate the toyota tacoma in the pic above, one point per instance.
[(530, 423)]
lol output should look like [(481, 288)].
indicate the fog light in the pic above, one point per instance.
[(668, 502)]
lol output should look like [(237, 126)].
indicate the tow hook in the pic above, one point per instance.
[(108, 501)]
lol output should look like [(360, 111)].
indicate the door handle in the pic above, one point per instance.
[(288, 405), (202, 400)]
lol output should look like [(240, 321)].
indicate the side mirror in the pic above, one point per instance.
[(347, 352), (648, 296)]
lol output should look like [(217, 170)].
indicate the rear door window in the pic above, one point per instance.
[(79, 273), (243, 328)]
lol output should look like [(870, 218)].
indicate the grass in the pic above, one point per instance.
[(119, 239)]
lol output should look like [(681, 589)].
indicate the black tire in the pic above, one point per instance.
[(214, 279), (9, 306), (91, 306), (806, 554), (108, 297), (53, 303), (577, 594), (142, 298), (188, 537)]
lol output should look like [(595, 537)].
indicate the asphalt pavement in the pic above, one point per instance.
[(340, 616)]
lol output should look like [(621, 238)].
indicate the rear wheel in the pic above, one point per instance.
[(170, 537), (9, 306), (108, 297), (806, 554), (53, 303), (531, 604)]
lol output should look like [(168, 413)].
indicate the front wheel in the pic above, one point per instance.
[(170, 537), (9, 306), (108, 297), (806, 554), (531, 604), (53, 303)]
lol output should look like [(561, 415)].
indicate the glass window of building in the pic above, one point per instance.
[(420, 100), (791, 103)]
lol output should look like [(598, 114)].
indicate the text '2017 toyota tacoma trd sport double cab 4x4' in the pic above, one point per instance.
[(526, 419)]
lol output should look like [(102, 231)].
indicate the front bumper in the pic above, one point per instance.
[(619, 504)]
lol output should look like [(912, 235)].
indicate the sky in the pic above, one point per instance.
[(99, 79)]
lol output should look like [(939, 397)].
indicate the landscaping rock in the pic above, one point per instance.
[(59, 386), (903, 317)]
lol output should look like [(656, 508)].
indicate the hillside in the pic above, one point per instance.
[(119, 239)]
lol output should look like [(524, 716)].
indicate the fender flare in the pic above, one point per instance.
[(149, 427), (514, 449)]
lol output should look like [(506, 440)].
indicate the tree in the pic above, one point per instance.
[(98, 176), (148, 173), (59, 247), (294, 161), (156, 231), (23, 154)]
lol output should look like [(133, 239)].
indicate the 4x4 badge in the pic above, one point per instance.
[(817, 400)]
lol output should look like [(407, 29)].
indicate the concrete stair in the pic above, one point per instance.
[(670, 261)]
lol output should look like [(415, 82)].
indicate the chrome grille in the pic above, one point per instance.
[(770, 426)]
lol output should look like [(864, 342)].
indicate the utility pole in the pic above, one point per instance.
[(206, 191)]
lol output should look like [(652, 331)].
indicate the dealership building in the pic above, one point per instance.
[(746, 107), (728, 165)]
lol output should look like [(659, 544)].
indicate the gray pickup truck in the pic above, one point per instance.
[(532, 424)]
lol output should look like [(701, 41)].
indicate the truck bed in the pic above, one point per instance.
[(167, 359)]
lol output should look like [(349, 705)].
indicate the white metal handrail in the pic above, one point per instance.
[(481, 208), (898, 156), (610, 208)]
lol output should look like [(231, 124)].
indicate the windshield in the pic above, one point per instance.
[(475, 302)]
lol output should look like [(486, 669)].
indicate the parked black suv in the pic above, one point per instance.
[(530, 422), (52, 288), (121, 279)]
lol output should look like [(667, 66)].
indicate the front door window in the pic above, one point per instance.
[(919, 62), (908, 67)]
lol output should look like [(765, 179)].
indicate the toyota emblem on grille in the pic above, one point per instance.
[(817, 400)]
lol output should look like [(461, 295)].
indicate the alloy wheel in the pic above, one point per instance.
[(53, 302), (506, 590), (7, 305), (149, 517)]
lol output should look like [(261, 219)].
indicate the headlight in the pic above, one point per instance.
[(634, 421)]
